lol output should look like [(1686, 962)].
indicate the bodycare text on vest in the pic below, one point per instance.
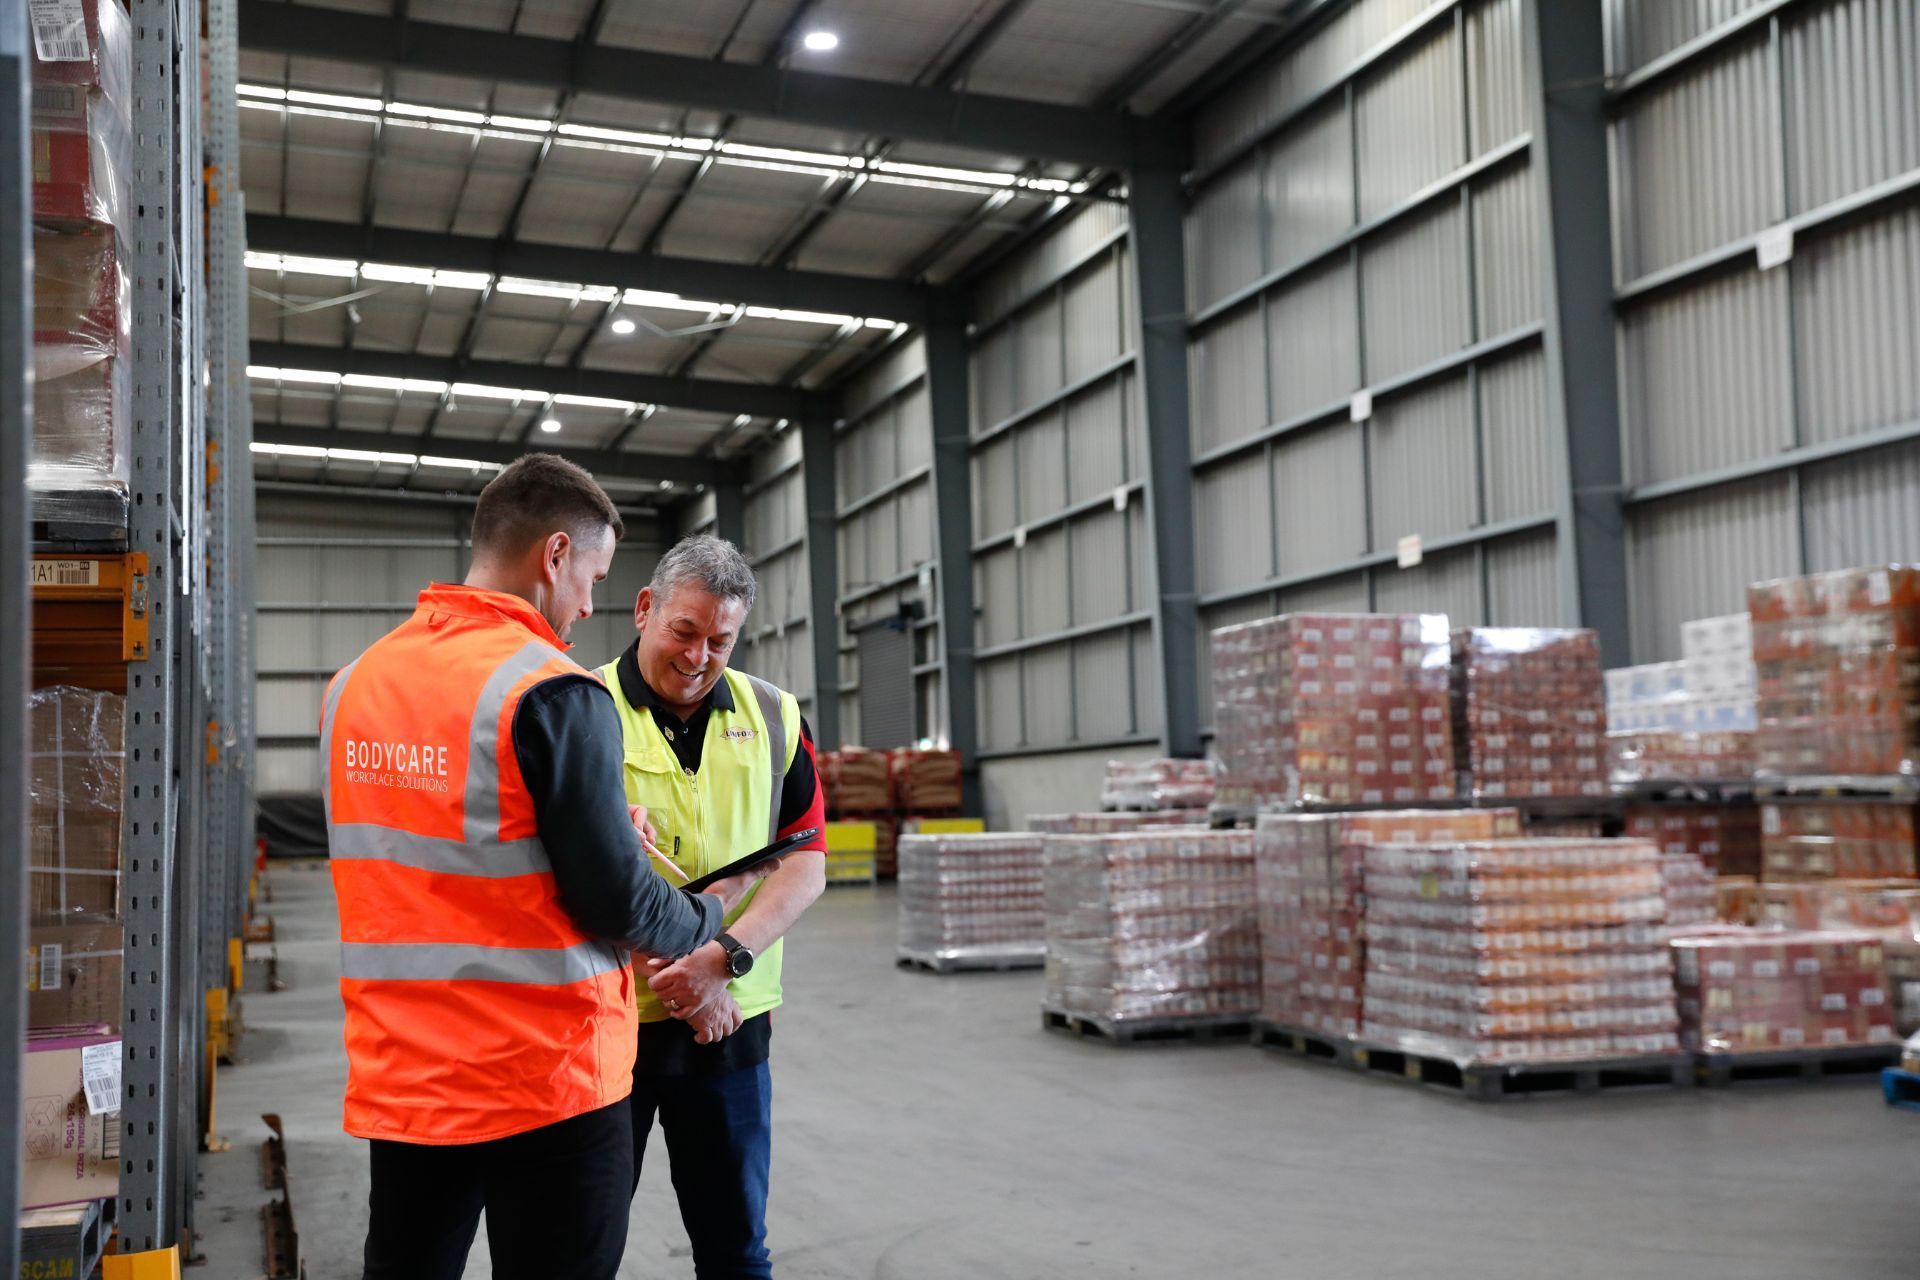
[(411, 766)]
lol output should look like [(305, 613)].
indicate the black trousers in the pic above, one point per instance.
[(556, 1200)]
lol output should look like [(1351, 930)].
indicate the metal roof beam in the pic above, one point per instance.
[(678, 468), (1008, 126), (707, 395), (688, 277)]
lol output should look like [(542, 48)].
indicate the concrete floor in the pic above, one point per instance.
[(927, 1129)]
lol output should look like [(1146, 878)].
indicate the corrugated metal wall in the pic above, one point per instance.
[(1062, 564), (775, 646), (338, 572), (1811, 116)]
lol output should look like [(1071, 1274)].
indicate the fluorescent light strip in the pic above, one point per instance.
[(427, 386), (369, 455)]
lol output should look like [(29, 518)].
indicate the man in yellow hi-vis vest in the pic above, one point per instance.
[(724, 764)]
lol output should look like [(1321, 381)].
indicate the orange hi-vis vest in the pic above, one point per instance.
[(475, 1008)]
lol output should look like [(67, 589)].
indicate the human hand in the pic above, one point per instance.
[(688, 985), (650, 840), (716, 1021), (732, 891)]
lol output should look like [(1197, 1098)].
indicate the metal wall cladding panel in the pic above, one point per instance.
[(1096, 441), (1705, 378), (1140, 556), (991, 365), (1523, 582), (1102, 687), (1692, 556), (1043, 583), (1233, 524), (1047, 260), (1863, 510), (914, 429), (285, 768), (287, 575), (1040, 444), (854, 571), (1134, 406), (765, 462), (412, 568), (1415, 294), (1518, 434), (1001, 711), (1049, 695), (1320, 510), (1231, 614), (345, 636), (1149, 704), (1099, 575), (1410, 118), (1313, 340), (933, 707), (1496, 75), (288, 708), (882, 447), (995, 489), (916, 525), (1344, 594), (1039, 353), (1447, 583), (289, 640), (799, 660), (1307, 187), (1223, 235), (1506, 253), (904, 361), (883, 540), (851, 457), (1857, 327), (1423, 463), (997, 596), (1228, 378), (1853, 97), (1638, 31), (1699, 163)]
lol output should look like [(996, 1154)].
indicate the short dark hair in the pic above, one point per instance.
[(538, 495)]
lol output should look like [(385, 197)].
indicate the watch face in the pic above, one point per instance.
[(740, 962)]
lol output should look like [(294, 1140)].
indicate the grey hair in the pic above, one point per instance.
[(712, 564)]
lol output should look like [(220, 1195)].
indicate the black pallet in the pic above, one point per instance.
[(928, 962), (1839, 787), (1857, 1061), (1130, 1031), (1676, 791), (1315, 1046), (67, 1241), (1494, 1082)]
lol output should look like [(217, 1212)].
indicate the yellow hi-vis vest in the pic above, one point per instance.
[(726, 810)]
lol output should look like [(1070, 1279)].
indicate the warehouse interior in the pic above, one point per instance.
[(1090, 385)]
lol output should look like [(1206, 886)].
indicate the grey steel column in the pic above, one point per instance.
[(16, 529), (730, 511), (948, 392), (823, 576), (1156, 204), (1566, 82)]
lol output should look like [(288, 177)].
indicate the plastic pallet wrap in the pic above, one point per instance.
[(1308, 884), (972, 897), (76, 753), (1689, 890), (1151, 925), (1097, 824), (82, 122), (925, 781), (1838, 661), (1162, 783), (1850, 840), (1725, 837), (1644, 757), (1529, 713), (1518, 951), (1770, 989), (1332, 710)]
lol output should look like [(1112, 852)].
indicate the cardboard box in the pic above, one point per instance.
[(74, 975), (1529, 713), (82, 130), (70, 1141), (75, 754)]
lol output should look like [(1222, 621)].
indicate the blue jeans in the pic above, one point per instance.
[(719, 1131)]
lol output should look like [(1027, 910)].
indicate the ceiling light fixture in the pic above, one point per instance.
[(820, 41), (623, 326), (550, 425)]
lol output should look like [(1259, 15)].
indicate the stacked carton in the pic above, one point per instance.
[(972, 899), (1761, 989), (1688, 883), (1100, 824), (1151, 925), (1848, 840), (1333, 710), (925, 781), (1162, 783), (1518, 951), (1725, 837), (1529, 713), (1308, 883), (857, 780)]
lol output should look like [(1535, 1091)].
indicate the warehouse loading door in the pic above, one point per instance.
[(886, 684)]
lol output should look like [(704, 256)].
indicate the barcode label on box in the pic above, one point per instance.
[(59, 30), (66, 573), (100, 1077), (50, 967)]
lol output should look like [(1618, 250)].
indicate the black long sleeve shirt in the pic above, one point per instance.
[(566, 737)]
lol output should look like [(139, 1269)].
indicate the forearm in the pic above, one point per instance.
[(780, 900)]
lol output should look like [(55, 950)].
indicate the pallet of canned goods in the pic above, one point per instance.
[(972, 901)]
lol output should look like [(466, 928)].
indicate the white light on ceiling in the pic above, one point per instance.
[(550, 425), (623, 326), (820, 41)]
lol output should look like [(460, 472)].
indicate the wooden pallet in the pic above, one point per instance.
[(1493, 1082), (1316, 1046), (1855, 1061), (1000, 962), (1131, 1031)]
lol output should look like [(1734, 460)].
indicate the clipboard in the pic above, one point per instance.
[(784, 845)]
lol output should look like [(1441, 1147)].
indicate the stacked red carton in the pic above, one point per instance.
[(1162, 783), (1098, 824), (1692, 898), (975, 897), (926, 781), (1333, 710), (1725, 837), (1519, 950), (1680, 755), (1529, 713), (1759, 989), (1308, 883), (1151, 924), (1848, 841), (1838, 663)]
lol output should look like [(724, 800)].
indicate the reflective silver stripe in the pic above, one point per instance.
[(457, 962), (493, 859), (483, 744), (769, 699), (328, 707)]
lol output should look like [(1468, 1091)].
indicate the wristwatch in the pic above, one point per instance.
[(739, 959)]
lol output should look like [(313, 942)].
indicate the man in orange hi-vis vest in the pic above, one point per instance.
[(493, 888)]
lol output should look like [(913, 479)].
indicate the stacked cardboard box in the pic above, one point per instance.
[(1162, 783), (1838, 657), (1099, 824), (857, 780), (1529, 713), (1308, 883), (1725, 837), (972, 898), (1689, 888), (1151, 925), (1519, 950), (1333, 710), (1637, 757), (69, 1120), (925, 781), (1760, 989), (1848, 840)]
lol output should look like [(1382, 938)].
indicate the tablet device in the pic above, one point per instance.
[(784, 845)]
